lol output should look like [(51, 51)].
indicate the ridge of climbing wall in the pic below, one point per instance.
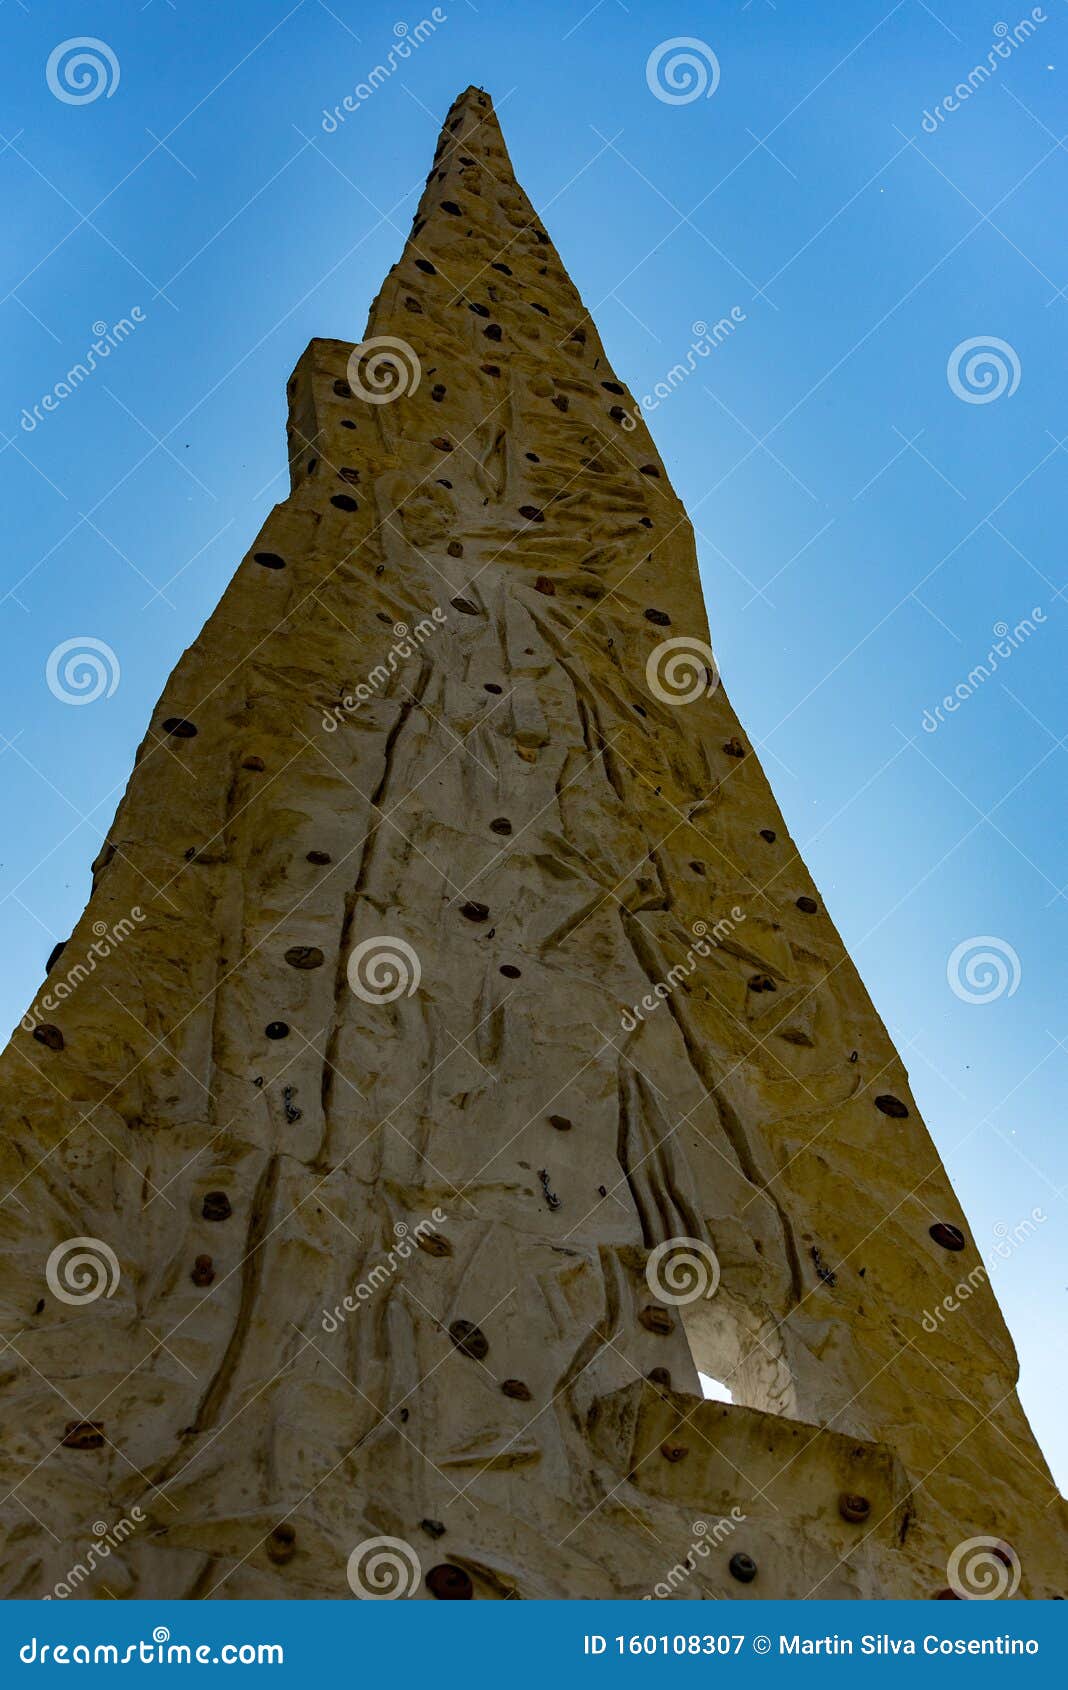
[(473, 973)]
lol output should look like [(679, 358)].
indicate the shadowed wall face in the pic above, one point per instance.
[(480, 1061)]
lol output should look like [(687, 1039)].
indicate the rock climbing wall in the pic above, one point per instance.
[(477, 1059)]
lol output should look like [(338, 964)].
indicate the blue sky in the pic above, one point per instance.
[(863, 528)]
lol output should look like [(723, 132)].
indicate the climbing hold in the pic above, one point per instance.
[(656, 1320), (465, 606), (617, 413), (425, 266), (475, 911), (762, 983), (492, 331), (853, 1055), (646, 521), (269, 560), (807, 906), (48, 1035), (84, 1434), (347, 422), (767, 834), (515, 1388), (734, 748), (413, 305), (510, 971), (455, 548), (449, 1583), (649, 469), (319, 858), (343, 390), (561, 402), (469, 1339), (544, 585), (434, 1243), (892, 1106), (203, 1272), (659, 1376), (179, 728), (674, 1452), (660, 617), (443, 443), (305, 956), (282, 1545), (503, 268), (490, 369), (216, 1206), (949, 1236), (491, 686), (277, 1030), (500, 824), (532, 513), (742, 1567), (433, 1528), (343, 502), (853, 1507), (698, 868), (479, 310), (452, 208), (255, 764), (54, 955), (437, 392), (612, 387), (560, 1122)]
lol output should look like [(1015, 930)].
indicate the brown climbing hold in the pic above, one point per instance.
[(474, 911), (434, 1243), (452, 208), (612, 387), (455, 548), (656, 1320), (949, 1236), (762, 983), (433, 1528), (48, 1035), (179, 728), (649, 469), (84, 1434), (425, 266), (562, 402), (734, 748), (443, 443), (216, 1206), (660, 617), (469, 1339), (343, 502), (203, 1271), (503, 268), (282, 1545), (449, 1583), (277, 1029), (319, 858), (617, 413), (269, 560), (659, 1376), (343, 389), (465, 607), (255, 764), (490, 369), (560, 1122), (479, 310), (853, 1507), (767, 834), (413, 305), (437, 392), (892, 1106), (674, 1452), (492, 331), (532, 513), (500, 824), (347, 473), (544, 585), (515, 1388), (807, 906), (305, 956)]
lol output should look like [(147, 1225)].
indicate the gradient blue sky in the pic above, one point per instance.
[(861, 528)]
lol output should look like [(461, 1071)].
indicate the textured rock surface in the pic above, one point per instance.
[(248, 1182)]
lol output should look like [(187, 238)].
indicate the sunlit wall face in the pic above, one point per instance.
[(870, 448)]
